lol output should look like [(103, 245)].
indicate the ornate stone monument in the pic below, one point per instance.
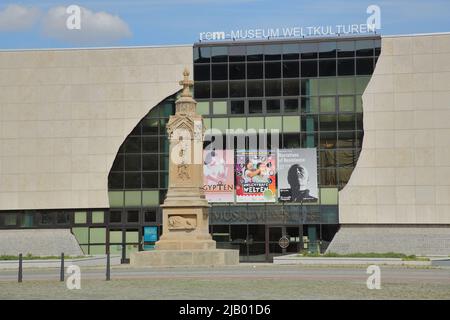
[(185, 238)]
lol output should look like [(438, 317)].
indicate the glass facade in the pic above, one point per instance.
[(308, 90)]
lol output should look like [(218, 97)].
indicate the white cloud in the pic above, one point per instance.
[(18, 18), (97, 28)]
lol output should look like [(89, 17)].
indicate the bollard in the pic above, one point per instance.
[(108, 267), (61, 274), (19, 279)]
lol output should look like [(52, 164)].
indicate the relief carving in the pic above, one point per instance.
[(182, 223)]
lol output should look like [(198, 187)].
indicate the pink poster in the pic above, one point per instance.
[(218, 175)]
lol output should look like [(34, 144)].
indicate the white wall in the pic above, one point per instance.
[(65, 113), (403, 173)]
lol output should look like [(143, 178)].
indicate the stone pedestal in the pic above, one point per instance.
[(185, 238)]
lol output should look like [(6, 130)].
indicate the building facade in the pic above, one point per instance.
[(84, 146)]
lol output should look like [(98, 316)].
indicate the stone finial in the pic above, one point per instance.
[(187, 84)]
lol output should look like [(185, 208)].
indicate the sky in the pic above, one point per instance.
[(34, 24)]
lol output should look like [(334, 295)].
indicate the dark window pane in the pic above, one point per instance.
[(291, 140), (273, 70), (150, 215), (309, 51), (236, 53), (290, 52), (237, 107), (115, 181), (163, 162), (291, 69), (327, 50), (309, 69), (202, 55), (237, 89), (347, 122), (118, 164), (133, 162), (133, 216), (150, 162), (254, 53), (133, 145), (327, 68), (62, 217), (115, 216), (377, 47), (364, 66), (220, 90), (162, 126), (346, 67), (255, 71), (291, 87), (307, 87), (150, 180), (201, 72), (328, 141), (273, 106), (150, 144), (150, 126), (255, 89), (272, 52), (346, 49), (364, 48), (328, 122), (273, 88), (163, 179), (254, 106), (201, 90), (219, 54), (291, 105), (132, 180), (237, 71), (47, 218), (219, 71)]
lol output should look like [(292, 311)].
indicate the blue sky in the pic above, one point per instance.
[(34, 24)]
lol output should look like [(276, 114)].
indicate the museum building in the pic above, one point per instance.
[(84, 147)]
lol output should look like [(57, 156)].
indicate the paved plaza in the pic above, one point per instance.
[(242, 282)]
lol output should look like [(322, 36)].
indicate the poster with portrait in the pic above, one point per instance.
[(218, 175), (297, 175), (255, 176)]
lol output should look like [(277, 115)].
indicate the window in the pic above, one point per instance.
[(290, 52), (149, 180), (273, 70), (9, 219), (255, 53), (272, 52), (327, 50), (47, 218), (62, 217), (150, 215), (364, 48), (237, 89), (150, 127), (202, 90), (346, 67), (309, 69), (291, 87), (149, 144), (346, 49), (201, 72), (327, 68), (291, 105), (255, 89), (291, 69), (202, 55), (115, 216), (309, 51), (364, 66), (219, 54), (220, 89), (133, 180), (254, 70), (150, 162), (237, 71), (133, 162), (132, 216), (255, 106), (237, 107), (273, 106), (273, 88), (219, 71), (236, 53)]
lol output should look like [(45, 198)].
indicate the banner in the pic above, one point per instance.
[(255, 176), (297, 175), (218, 175)]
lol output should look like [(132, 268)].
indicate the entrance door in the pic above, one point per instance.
[(281, 240)]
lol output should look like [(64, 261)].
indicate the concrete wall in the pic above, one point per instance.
[(403, 173), (65, 113)]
